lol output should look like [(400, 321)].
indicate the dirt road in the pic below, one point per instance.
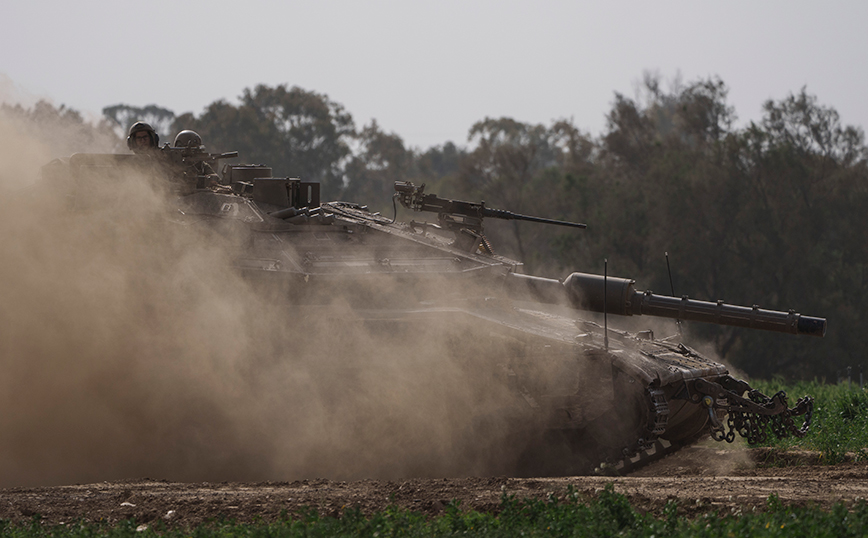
[(700, 478)]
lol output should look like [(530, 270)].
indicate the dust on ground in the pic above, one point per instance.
[(687, 478)]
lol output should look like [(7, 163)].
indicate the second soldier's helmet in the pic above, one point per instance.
[(188, 139), (139, 127)]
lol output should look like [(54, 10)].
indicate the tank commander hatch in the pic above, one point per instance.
[(142, 138)]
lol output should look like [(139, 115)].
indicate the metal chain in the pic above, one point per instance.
[(754, 426)]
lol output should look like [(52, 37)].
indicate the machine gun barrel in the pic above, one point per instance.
[(509, 215), (197, 156), (193, 155), (469, 214), (587, 292)]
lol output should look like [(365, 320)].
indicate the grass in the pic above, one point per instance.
[(609, 514), (840, 421)]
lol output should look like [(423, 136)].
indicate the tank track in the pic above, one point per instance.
[(751, 420), (647, 450), (660, 449)]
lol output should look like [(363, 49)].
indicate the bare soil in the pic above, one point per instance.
[(700, 478)]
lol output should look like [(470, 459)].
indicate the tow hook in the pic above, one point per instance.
[(718, 433)]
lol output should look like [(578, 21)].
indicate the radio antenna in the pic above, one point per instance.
[(605, 303), (672, 287)]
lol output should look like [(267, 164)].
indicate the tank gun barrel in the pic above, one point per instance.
[(587, 292)]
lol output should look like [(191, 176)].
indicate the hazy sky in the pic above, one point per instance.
[(427, 70)]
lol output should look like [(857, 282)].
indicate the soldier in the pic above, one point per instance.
[(188, 139), (192, 142), (142, 138)]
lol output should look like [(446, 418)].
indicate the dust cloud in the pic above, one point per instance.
[(130, 348)]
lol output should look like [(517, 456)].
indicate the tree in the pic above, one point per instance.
[(379, 161), (439, 162), (61, 129), (123, 116), (764, 215), (502, 168), (806, 185), (297, 132), (770, 214)]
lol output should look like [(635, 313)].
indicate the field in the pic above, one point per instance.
[(840, 422), (815, 487)]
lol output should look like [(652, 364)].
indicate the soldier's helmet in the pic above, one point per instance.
[(139, 127), (188, 139)]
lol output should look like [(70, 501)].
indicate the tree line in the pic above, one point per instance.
[(771, 213)]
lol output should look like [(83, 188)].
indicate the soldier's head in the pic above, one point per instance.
[(142, 137), (188, 139)]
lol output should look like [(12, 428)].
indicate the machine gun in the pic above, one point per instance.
[(192, 156), (191, 167), (464, 219)]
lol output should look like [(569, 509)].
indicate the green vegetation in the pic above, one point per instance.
[(609, 514), (840, 420)]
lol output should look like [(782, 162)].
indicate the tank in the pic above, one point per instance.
[(584, 396)]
